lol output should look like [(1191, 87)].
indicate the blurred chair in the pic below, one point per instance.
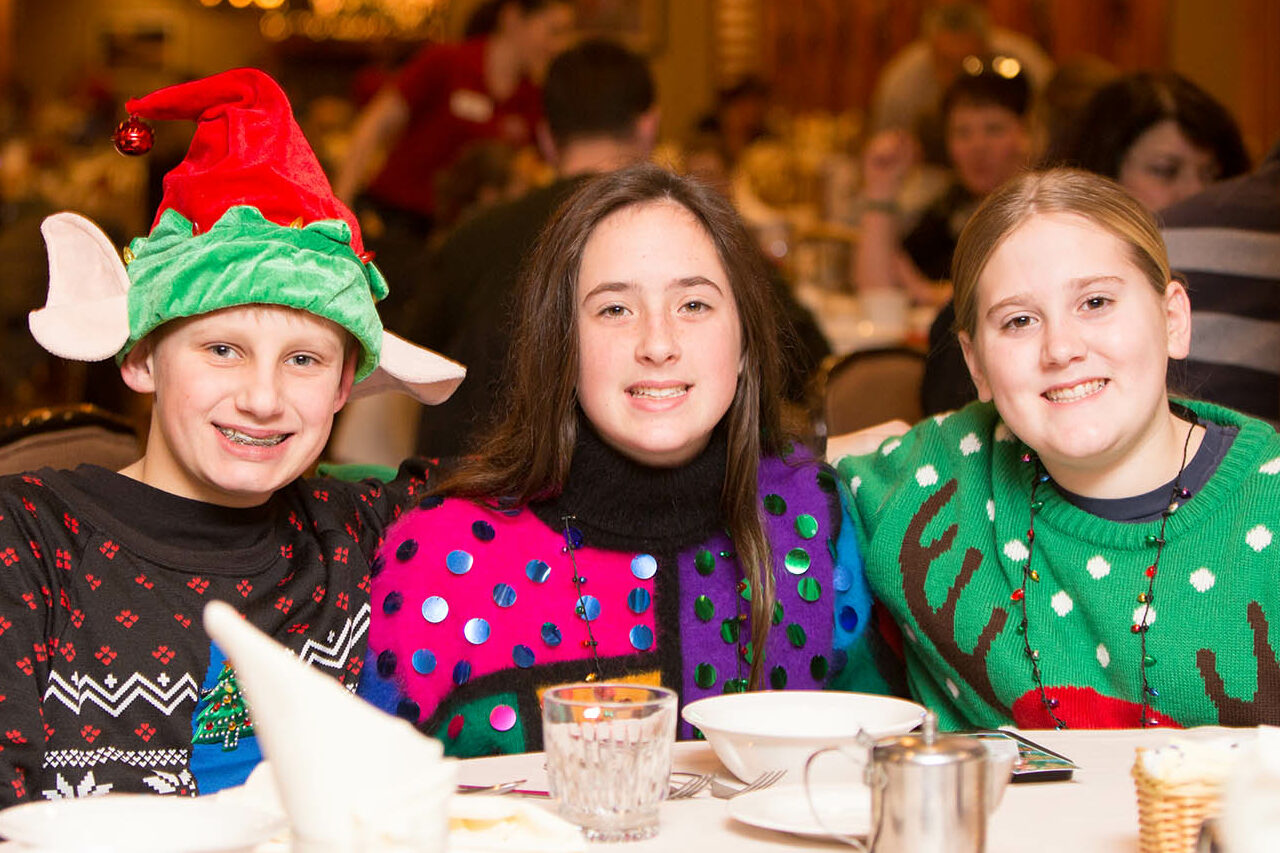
[(66, 436), (867, 387)]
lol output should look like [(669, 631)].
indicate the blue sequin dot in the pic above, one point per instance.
[(641, 637), (588, 607), (476, 631), (461, 672), (406, 549), (523, 656), (424, 662), (459, 562), (638, 600), (537, 571), (839, 660), (573, 537), (408, 709), (841, 579), (431, 502), (387, 663), (482, 530), (644, 566), (392, 603), (504, 595), (435, 609), (550, 634), (848, 618)]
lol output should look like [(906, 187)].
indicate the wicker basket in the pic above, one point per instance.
[(1170, 813)]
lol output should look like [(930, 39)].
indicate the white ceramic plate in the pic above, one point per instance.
[(138, 823), (845, 809)]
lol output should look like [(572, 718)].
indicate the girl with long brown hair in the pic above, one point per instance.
[(632, 516)]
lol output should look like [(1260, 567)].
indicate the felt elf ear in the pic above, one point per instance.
[(86, 315)]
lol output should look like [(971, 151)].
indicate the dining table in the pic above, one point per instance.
[(1096, 810)]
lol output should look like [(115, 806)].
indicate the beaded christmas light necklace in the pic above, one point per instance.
[(1177, 496), (572, 542)]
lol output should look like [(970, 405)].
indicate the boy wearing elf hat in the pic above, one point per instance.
[(248, 312)]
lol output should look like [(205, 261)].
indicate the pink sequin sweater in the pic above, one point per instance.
[(475, 608)]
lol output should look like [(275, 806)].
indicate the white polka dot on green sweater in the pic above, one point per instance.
[(1258, 538), (1203, 579), (1098, 567)]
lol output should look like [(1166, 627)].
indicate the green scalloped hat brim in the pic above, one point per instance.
[(245, 259)]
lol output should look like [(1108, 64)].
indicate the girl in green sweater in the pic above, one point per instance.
[(1076, 550)]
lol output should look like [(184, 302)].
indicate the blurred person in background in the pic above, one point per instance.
[(1225, 243), (988, 135), (738, 117), (908, 94), (449, 95), (988, 141), (1162, 137)]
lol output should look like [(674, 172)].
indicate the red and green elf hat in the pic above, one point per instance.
[(247, 218)]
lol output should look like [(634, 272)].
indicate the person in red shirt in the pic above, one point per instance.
[(450, 95)]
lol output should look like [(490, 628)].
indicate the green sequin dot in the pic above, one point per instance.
[(777, 613), (806, 526), (775, 504), (746, 591), (810, 589), (797, 561), (704, 607), (778, 678), (747, 654), (729, 630), (704, 675), (818, 668), (831, 547), (735, 685), (795, 633), (826, 480), (705, 562)]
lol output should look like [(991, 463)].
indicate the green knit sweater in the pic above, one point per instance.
[(943, 515)]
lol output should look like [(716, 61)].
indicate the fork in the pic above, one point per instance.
[(499, 788), (764, 780), (694, 785)]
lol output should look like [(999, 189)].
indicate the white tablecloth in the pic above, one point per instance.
[(1096, 811)]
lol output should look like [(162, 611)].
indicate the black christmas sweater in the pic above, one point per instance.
[(108, 682)]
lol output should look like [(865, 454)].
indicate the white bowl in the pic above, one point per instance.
[(138, 823), (778, 730)]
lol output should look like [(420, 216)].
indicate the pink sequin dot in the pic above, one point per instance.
[(455, 727), (502, 718)]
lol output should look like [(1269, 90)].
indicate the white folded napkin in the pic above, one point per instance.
[(1250, 820), (350, 777)]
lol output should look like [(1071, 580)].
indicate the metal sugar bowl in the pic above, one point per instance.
[(929, 793)]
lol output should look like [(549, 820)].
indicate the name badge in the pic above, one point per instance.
[(471, 106)]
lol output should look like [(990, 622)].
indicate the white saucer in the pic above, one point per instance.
[(138, 823), (845, 809)]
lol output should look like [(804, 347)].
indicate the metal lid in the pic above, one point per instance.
[(928, 748)]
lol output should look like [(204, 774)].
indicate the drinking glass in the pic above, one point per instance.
[(609, 755)]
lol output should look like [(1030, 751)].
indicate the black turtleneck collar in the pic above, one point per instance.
[(620, 504)]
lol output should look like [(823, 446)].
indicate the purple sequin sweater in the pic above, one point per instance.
[(475, 608)]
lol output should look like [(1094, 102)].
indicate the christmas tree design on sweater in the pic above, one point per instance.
[(224, 749)]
